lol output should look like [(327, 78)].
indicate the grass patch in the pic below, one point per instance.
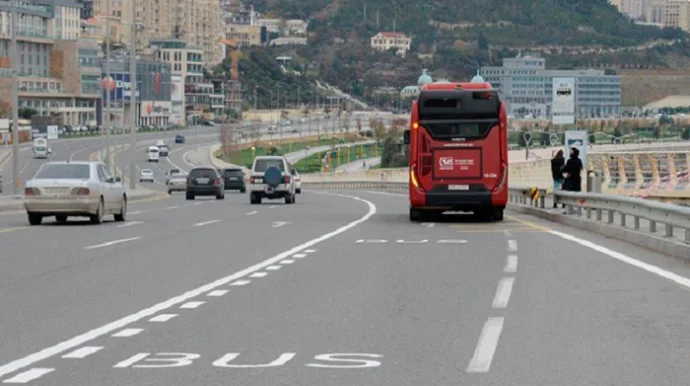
[(245, 157), (313, 164)]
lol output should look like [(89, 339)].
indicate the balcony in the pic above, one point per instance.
[(30, 36)]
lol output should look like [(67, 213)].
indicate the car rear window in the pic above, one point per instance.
[(203, 173), (63, 172), (262, 164), (232, 173)]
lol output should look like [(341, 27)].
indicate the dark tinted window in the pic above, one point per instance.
[(232, 173), (262, 164), (64, 171), (458, 130), (203, 173)]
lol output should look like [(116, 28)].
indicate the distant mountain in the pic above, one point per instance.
[(453, 38)]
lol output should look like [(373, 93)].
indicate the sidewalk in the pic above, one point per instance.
[(357, 166)]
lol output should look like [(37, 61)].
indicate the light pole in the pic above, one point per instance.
[(15, 100), (133, 102), (106, 121)]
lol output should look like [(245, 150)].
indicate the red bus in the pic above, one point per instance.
[(458, 142)]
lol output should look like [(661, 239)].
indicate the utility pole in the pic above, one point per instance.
[(15, 100), (106, 121), (133, 98)]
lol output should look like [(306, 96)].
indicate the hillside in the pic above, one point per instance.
[(452, 38)]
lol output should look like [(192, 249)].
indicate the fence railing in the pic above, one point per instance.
[(670, 216)]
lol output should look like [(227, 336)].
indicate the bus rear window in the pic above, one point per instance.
[(458, 130)]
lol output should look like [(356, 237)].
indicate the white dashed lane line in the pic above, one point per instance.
[(162, 318), (128, 332), (82, 352), (511, 264), (512, 245), (200, 224), (486, 346), (117, 329), (505, 288)]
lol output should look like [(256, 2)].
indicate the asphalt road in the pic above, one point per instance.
[(334, 290), (79, 149)]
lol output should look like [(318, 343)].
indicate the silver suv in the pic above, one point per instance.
[(270, 178)]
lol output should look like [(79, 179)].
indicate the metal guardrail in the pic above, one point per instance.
[(531, 196), (669, 215), (375, 185)]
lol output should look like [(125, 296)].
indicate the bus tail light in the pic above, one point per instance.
[(413, 175), (503, 176)]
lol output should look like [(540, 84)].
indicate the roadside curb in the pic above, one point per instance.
[(650, 242)]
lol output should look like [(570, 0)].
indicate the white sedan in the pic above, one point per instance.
[(64, 189), (146, 175)]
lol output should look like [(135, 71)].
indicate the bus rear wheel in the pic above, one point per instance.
[(416, 215)]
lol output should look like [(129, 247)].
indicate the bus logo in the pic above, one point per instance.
[(445, 163)]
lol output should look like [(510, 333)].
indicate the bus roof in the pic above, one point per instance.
[(456, 86)]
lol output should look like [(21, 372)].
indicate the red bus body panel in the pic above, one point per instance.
[(477, 165)]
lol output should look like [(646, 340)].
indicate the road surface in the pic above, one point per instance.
[(336, 290)]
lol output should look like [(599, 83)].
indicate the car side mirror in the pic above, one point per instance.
[(406, 137), (118, 179)]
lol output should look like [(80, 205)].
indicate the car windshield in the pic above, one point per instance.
[(261, 165), (63, 172), (203, 173)]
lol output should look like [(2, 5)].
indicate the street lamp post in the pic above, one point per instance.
[(133, 102), (15, 100), (106, 122)]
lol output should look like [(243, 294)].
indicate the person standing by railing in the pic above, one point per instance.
[(557, 164)]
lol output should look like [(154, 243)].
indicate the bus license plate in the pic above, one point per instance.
[(458, 187)]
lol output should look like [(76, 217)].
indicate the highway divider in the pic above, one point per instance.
[(637, 224)]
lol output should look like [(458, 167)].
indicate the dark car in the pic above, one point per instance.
[(234, 179), (205, 181), (179, 138)]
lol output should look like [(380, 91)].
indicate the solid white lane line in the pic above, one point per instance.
[(273, 267), (200, 224), (95, 333), (190, 305), (28, 376), (109, 243), (129, 224), (162, 318), (135, 212), (241, 282), (486, 346), (82, 352), (309, 250), (511, 264), (252, 213), (287, 261), (503, 291), (683, 281), (512, 245), (258, 274), (126, 333), (217, 293), (300, 255)]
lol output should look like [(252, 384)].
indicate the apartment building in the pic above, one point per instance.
[(152, 104), (192, 95), (384, 41), (527, 86), (197, 22), (56, 77), (246, 34), (677, 14)]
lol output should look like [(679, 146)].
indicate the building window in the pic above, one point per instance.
[(88, 57), (90, 84)]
